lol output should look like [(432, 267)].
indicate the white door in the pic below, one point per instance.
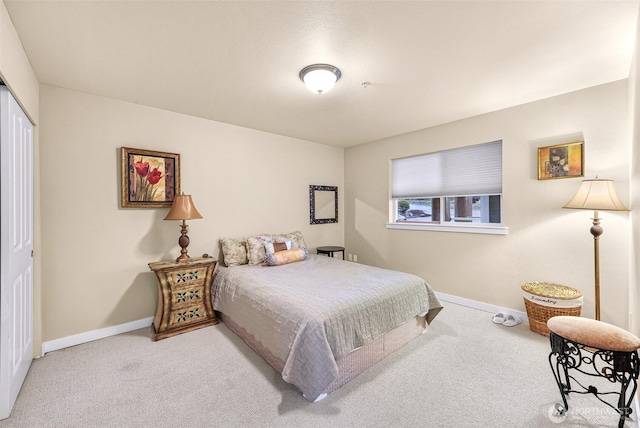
[(16, 249)]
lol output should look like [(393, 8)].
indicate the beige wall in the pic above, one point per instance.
[(545, 242), (95, 253), (15, 69)]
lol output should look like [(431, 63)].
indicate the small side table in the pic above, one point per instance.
[(329, 250), (184, 296)]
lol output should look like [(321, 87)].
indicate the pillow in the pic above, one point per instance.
[(255, 248), (274, 247), (297, 241), (234, 251), (281, 246), (287, 242), (286, 256)]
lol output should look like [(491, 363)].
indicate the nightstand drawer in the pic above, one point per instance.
[(185, 297), (187, 315), (187, 277)]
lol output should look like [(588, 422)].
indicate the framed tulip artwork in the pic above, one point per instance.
[(150, 179)]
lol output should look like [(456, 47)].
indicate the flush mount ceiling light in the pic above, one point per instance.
[(320, 78)]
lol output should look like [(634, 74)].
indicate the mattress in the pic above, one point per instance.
[(306, 316), (356, 361)]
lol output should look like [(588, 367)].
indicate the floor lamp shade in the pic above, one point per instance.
[(596, 195), (183, 209)]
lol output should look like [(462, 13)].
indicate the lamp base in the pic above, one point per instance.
[(596, 231), (183, 258), (183, 241)]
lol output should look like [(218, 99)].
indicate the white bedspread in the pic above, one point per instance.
[(309, 314)]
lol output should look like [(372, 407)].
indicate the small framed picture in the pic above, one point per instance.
[(150, 179), (561, 161)]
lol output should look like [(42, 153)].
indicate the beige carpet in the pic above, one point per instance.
[(464, 372)]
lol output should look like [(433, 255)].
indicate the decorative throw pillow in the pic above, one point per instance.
[(234, 251), (280, 246), (287, 242), (297, 241), (274, 247), (255, 248), (284, 257)]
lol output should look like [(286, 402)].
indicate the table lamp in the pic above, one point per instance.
[(183, 209)]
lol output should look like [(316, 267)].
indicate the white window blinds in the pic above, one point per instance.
[(465, 171)]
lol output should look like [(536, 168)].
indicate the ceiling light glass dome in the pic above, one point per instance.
[(320, 78)]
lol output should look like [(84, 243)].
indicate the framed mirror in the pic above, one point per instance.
[(323, 204)]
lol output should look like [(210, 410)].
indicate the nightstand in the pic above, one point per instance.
[(184, 296), (329, 250)]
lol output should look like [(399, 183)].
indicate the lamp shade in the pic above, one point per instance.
[(183, 209), (320, 78), (596, 195)]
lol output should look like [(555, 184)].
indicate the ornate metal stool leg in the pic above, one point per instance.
[(560, 371), (625, 366), (623, 407)]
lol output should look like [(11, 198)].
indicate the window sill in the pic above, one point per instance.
[(462, 228)]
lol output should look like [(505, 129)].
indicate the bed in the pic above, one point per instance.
[(322, 321)]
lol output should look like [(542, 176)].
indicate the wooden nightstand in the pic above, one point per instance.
[(184, 296)]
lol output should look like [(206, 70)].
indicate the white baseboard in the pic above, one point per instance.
[(481, 305), (78, 339)]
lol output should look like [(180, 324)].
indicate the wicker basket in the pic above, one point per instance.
[(546, 294)]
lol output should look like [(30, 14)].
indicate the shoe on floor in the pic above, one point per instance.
[(499, 318), (510, 321)]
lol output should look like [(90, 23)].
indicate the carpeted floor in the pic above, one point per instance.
[(464, 372)]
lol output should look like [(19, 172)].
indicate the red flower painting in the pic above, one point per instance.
[(146, 182), (150, 179), (154, 176)]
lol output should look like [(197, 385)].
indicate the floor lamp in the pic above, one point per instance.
[(596, 195)]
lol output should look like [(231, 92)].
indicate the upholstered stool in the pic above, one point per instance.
[(597, 349)]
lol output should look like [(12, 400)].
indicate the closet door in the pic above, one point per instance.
[(16, 249)]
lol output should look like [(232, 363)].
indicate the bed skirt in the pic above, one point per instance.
[(355, 362)]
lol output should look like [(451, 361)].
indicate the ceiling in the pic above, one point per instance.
[(237, 62)]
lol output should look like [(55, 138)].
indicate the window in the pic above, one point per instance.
[(458, 189)]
